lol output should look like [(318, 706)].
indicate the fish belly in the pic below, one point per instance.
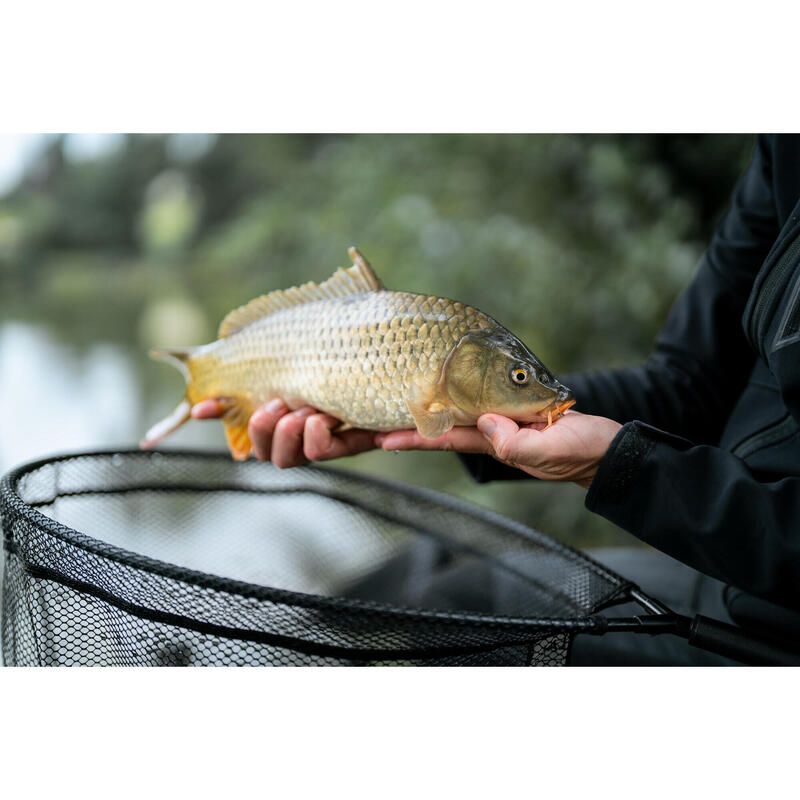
[(355, 357)]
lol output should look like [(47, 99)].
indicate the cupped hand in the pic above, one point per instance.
[(569, 450), (293, 438)]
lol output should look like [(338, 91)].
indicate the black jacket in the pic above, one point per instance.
[(707, 465)]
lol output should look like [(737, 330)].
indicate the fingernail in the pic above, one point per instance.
[(304, 412), (486, 427), (274, 406)]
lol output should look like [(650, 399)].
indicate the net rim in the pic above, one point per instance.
[(9, 494)]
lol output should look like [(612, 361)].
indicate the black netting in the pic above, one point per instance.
[(192, 559)]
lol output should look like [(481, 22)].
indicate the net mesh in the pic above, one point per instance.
[(192, 559)]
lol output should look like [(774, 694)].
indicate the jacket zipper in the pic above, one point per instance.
[(777, 432)]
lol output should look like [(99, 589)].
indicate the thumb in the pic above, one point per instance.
[(501, 432)]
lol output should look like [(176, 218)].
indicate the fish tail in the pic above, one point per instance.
[(179, 358), (236, 411), (167, 425)]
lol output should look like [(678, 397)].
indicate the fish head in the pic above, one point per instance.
[(492, 371)]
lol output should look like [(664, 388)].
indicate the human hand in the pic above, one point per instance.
[(569, 450), (293, 438)]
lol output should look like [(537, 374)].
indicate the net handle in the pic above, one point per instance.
[(728, 640), (708, 634)]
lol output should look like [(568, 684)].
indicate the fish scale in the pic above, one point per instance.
[(373, 358), (351, 359)]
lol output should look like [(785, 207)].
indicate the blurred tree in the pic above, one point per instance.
[(577, 243)]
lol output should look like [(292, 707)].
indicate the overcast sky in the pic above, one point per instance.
[(17, 150)]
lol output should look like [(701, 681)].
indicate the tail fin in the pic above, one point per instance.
[(236, 411), (179, 358), (167, 425)]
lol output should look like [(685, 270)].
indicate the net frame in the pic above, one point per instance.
[(430, 636)]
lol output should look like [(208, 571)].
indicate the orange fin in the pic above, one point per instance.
[(235, 420)]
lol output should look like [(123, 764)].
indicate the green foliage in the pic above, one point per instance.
[(579, 244)]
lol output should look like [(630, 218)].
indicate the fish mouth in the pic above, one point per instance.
[(558, 407)]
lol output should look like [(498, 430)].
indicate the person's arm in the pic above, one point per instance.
[(703, 506), (701, 359), (697, 503)]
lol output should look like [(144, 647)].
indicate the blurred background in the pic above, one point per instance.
[(110, 244)]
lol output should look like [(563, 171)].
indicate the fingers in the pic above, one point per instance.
[(320, 443), (293, 439), (287, 439), (463, 440), (508, 441), (495, 434), (262, 427), (210, 409)]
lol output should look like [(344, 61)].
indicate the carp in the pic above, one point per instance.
[(371, 357)]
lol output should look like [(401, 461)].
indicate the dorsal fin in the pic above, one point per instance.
[(358, 278)]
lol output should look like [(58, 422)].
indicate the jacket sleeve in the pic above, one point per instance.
[(701, 360), (703, 506)]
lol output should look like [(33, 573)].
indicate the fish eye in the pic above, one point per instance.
[(520, 375)]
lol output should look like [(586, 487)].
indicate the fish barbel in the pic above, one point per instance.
[(371, 357)]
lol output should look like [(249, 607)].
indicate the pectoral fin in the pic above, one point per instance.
[(432, 419)]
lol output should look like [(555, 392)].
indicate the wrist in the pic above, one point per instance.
[(586, 481), (607, 434)]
